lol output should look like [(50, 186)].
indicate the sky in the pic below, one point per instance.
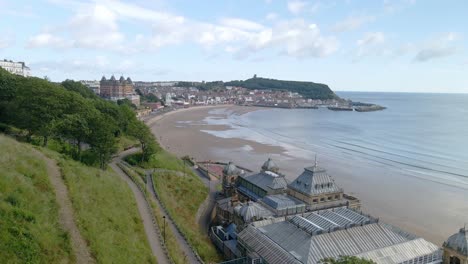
[(351, 45)]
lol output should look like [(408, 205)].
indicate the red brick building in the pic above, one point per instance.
[(116, 89)]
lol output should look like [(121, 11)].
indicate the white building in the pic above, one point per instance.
[(168, 99), (18, 68), (93, 85)]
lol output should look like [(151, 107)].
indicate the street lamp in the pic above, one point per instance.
[(164, 228)]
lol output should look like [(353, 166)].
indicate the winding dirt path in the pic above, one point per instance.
[(66, 215), (150, 229), (189, 255)]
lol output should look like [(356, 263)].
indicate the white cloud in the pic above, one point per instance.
[(392, 6), (242, 24), (433, 53), (352, 23), (296, 6), (271, 16), (372, 43), (96, 25), (5, 41), (47, 40), (92, 26), (371, 38), (93, 65), (437, 48)]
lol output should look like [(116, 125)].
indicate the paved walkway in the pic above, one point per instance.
[(205, 212), (66, 214), (146, 216), (188, 252)]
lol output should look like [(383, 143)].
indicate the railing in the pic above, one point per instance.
[(153, 218), (175, 223)]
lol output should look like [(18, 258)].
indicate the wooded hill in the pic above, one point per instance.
[(71, 116), (308, 90)]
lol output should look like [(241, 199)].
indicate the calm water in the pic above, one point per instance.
[(423, 134), (408, 163)]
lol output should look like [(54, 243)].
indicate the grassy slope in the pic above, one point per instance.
[(29, 227), (173, 247), (183, 195), (106, 212)]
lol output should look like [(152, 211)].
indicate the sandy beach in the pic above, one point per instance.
[(402, 201)]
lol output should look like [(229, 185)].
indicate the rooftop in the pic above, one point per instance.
[(458, 242), (266, 180), (314, 181), (281, 201), (333, 233), (252, 211)]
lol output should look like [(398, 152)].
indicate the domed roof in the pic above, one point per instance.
[(112, 78), (458, 242), (129, 80), (252, 211), (103, 79), (122, 79), (270, 165), (230, 169)]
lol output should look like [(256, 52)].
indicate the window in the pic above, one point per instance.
[(315, 200), (329, 198), (322, 199), (337, 197)]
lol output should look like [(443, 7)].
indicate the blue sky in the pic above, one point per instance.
[(351, 45)]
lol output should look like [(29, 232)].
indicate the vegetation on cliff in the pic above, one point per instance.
[(82, 125), (309, 90), (106, 213), (306, 89), (29, 227), (173, 182)]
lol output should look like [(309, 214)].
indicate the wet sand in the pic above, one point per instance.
[(431, 210)]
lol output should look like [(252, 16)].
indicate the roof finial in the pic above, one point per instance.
[(315, 159)]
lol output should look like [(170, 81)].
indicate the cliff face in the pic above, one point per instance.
[(309, 90)]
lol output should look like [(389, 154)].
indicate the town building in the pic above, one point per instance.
[(456, 248), (93, 85), (18, 68), (318, 190), (114, 89), (266, 219), (314, 236)]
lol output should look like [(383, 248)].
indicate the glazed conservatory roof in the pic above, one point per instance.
[(313, 237)]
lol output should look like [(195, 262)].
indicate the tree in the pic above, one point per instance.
[(126, 102), (102, 139), (147, 141), (73, 127), (36, 105), (80, 88), (347, 260)]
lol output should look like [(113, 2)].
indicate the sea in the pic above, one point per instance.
[(407, 163)]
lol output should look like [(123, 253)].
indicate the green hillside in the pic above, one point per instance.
[(306, 89), (104, 206), (309, 90), (106, 212), (29, 227)]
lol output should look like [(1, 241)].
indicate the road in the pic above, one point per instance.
[(146, 216)]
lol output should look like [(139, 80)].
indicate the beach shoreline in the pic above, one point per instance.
[(187, 132)]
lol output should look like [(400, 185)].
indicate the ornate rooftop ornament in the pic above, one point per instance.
[(230, 169), (270, 165), (458, 242)]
